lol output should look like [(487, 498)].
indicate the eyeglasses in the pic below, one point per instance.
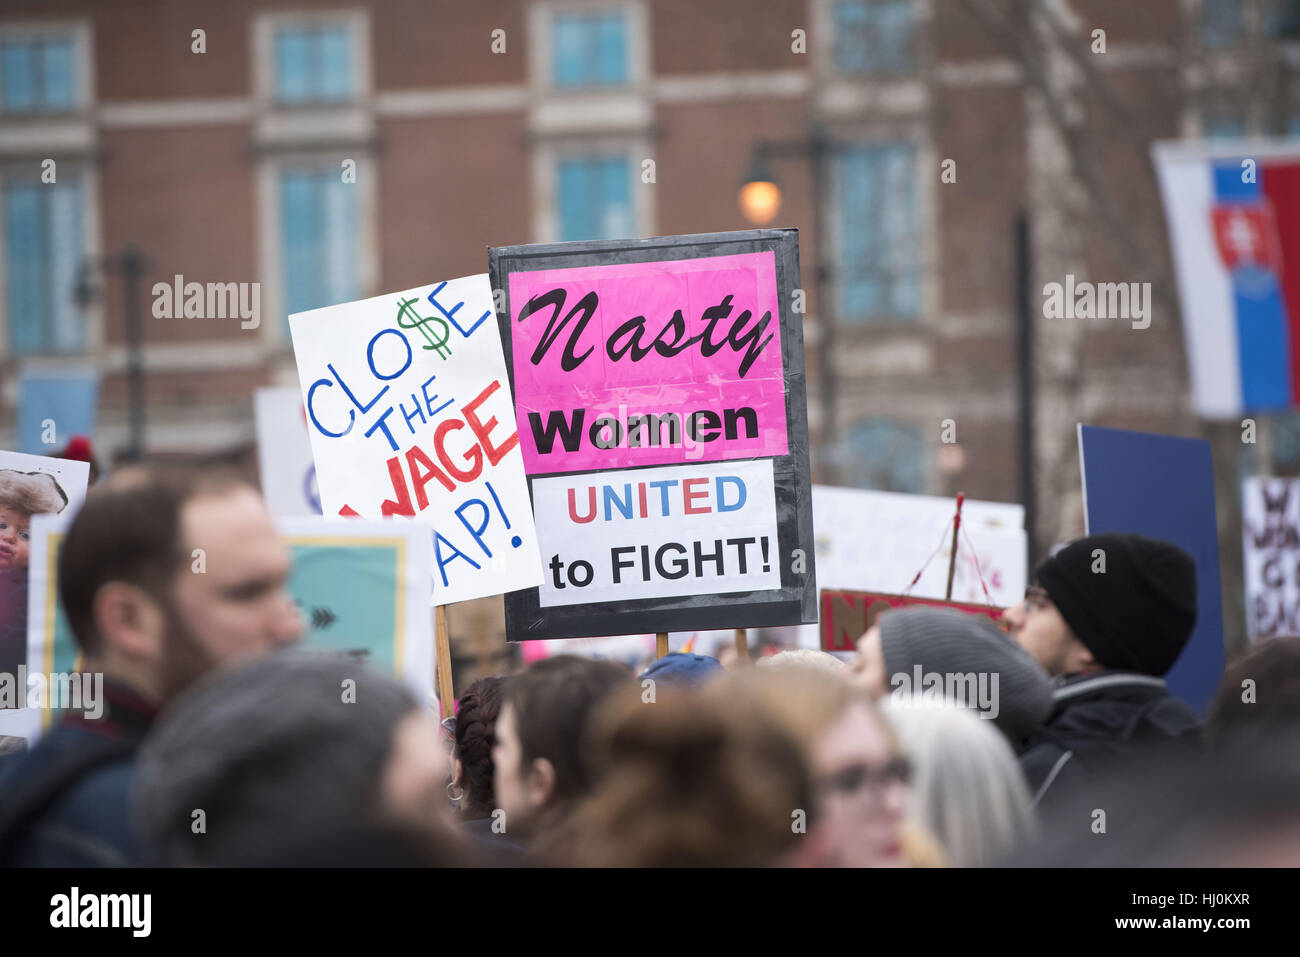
[(855, 777)]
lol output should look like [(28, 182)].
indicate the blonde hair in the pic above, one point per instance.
[(36, 493), (803, 657)]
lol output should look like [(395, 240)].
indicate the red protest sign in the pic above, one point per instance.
[(845, 615)]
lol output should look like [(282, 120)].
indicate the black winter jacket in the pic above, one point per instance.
[(1097, 721)]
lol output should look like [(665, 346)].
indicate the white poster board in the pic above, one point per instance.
[(410, 415)]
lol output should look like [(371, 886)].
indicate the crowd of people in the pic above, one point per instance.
[(1051, 739)]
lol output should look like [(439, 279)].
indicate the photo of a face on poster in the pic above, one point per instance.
[(29, 485)]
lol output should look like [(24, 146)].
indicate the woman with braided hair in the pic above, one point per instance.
[(472, 789)]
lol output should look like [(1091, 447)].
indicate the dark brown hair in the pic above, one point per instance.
[(129, 530), (1273, 664), (476, 720), (552, 702)]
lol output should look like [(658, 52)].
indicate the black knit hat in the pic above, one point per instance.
[(1137, 613)]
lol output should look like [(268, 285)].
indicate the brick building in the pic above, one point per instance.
[(330, 151)]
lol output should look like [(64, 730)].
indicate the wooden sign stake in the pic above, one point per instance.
[(952, 559), (442, 645)]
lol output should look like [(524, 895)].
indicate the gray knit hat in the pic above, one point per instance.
[(923, 641), (273, 746)]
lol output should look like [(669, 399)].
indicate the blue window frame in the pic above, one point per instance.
[(879, 262), (314, 65), (38, 75), (589, 49), (594, 196), (874, 36), (319, 239), (884, 454), (44, 250)]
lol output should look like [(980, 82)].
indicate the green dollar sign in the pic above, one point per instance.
[(406, 310)]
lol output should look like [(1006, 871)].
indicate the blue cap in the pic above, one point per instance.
[(684, 668)]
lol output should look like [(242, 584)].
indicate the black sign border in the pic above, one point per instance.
[(795, 602)]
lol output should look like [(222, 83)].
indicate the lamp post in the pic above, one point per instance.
[(129, 264), (760, 200)]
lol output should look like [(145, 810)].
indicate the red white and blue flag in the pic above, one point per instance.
[(1233, 211)]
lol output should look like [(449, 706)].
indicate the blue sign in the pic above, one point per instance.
[(1162, 486)]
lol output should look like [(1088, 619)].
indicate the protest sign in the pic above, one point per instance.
[(381, 618), (30, 486), (1162, 486), (878, 541), (409, 415), (284, 459), (846, 615), (659, 388), (1270, 531)]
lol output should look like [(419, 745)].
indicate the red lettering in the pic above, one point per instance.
[(483, 431), (415, 458), (591, 504), (402, 504), (688, 496), (473, 454)]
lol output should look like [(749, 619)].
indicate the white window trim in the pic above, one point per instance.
[(88, 174), (83, 51), (545, 160), (274, 329)]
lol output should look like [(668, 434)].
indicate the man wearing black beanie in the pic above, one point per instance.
[(1106, 616)]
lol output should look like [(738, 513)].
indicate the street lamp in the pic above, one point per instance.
[(760, 199), (130, 265)]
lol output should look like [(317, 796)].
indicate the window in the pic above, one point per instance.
[(314, 64), (43, 242), (319, 240), (886, 455), (879, 262), (874, 36), (1222, 22), (594, 198), (589, 49), (38, 74)]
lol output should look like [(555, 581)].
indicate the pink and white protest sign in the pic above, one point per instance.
[(659, 390), (649, 363)]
